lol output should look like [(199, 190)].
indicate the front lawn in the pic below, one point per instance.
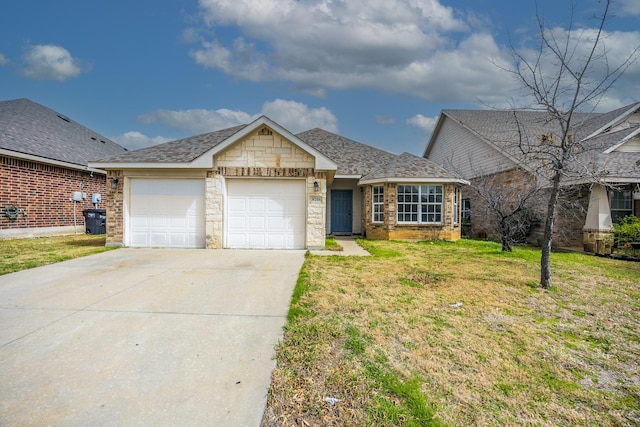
[(459, 334), (20, 254)]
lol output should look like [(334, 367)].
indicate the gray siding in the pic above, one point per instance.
[(460, 151)]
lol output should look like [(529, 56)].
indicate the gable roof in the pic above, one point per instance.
[(407, 167), (183, 150), (500, 129), (198, 151), (30, 130)]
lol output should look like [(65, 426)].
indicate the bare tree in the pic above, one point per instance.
[(511, 208), (563, 79)]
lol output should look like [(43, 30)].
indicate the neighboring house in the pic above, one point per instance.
[(44, 157), (260, 186), (480, 144)]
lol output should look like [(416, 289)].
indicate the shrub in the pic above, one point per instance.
[(627, 230)]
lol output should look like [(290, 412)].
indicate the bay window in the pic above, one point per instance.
[(420, 204)]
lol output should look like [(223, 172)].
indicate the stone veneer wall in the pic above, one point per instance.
[(570, 212), (391, 230), (264, 148)]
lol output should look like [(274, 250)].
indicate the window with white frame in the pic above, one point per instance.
[(456, 203), (378, 203), (620, 203), (420, 204)]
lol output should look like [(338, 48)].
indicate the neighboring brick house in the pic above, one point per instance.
[(260, 186), (44, 160), (482, 145)]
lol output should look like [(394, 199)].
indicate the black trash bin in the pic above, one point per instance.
[(95, 221)]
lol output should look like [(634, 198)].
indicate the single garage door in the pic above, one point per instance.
[(266, 213), (167, 213)]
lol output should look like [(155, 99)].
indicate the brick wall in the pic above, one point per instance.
[(41, 192), (391, 230)]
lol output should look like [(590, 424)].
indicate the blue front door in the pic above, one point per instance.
[(341, 211)]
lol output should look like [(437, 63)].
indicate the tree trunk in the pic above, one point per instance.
[(505, 237), (545, 259)]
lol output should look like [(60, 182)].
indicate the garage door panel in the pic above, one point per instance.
[(266, 214), (167, 213)]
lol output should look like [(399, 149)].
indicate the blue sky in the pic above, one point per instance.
[(378, 71)]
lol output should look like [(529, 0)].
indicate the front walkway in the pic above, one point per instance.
[(349, 248)]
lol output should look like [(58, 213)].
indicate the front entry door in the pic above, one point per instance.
[(341, 211)]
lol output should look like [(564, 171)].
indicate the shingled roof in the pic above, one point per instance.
[(353, 158), (409, 167), (180, 151), (29, 128), (503, 129)]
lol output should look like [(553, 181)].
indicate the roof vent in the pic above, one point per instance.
[(103, 141), (65, 118), (94, 138)]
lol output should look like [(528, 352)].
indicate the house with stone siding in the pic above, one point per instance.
[(44, 158), (259, 186), (484, 145)]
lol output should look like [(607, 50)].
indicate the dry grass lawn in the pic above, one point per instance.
[(459, 334)]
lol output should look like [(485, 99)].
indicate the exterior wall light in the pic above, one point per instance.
[(114, 183), (316, 186)]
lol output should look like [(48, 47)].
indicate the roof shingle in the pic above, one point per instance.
[(30, 128)]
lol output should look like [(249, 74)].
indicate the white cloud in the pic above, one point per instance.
[(3, 60), (50, 62), (197, 121), (135, 140), (425, 124), (390, 45), (630, 7), (613, 51), (408, 47), (294, 116), (297, 117)]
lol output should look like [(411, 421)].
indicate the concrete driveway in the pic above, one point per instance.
[(144, 337)]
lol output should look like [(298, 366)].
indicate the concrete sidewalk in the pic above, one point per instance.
[(349, 248), (144, 337)]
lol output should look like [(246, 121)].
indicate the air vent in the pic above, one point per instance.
[(94, 138), (65, 118), (103, 141)]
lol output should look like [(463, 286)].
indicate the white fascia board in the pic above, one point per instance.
[(622, 142), (348, 176), (31, 157), (614, 121), (322, 161), (415, 181), (150, 165)]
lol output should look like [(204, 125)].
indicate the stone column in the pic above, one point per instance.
[(597, 233), (214, 210), (316, 212)]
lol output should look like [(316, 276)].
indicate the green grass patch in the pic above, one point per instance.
[(330, 244), (22, 254)]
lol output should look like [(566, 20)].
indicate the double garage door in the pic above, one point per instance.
[(260, 214)]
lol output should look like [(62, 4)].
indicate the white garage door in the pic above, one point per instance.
[(266, 214), (167, 213)]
